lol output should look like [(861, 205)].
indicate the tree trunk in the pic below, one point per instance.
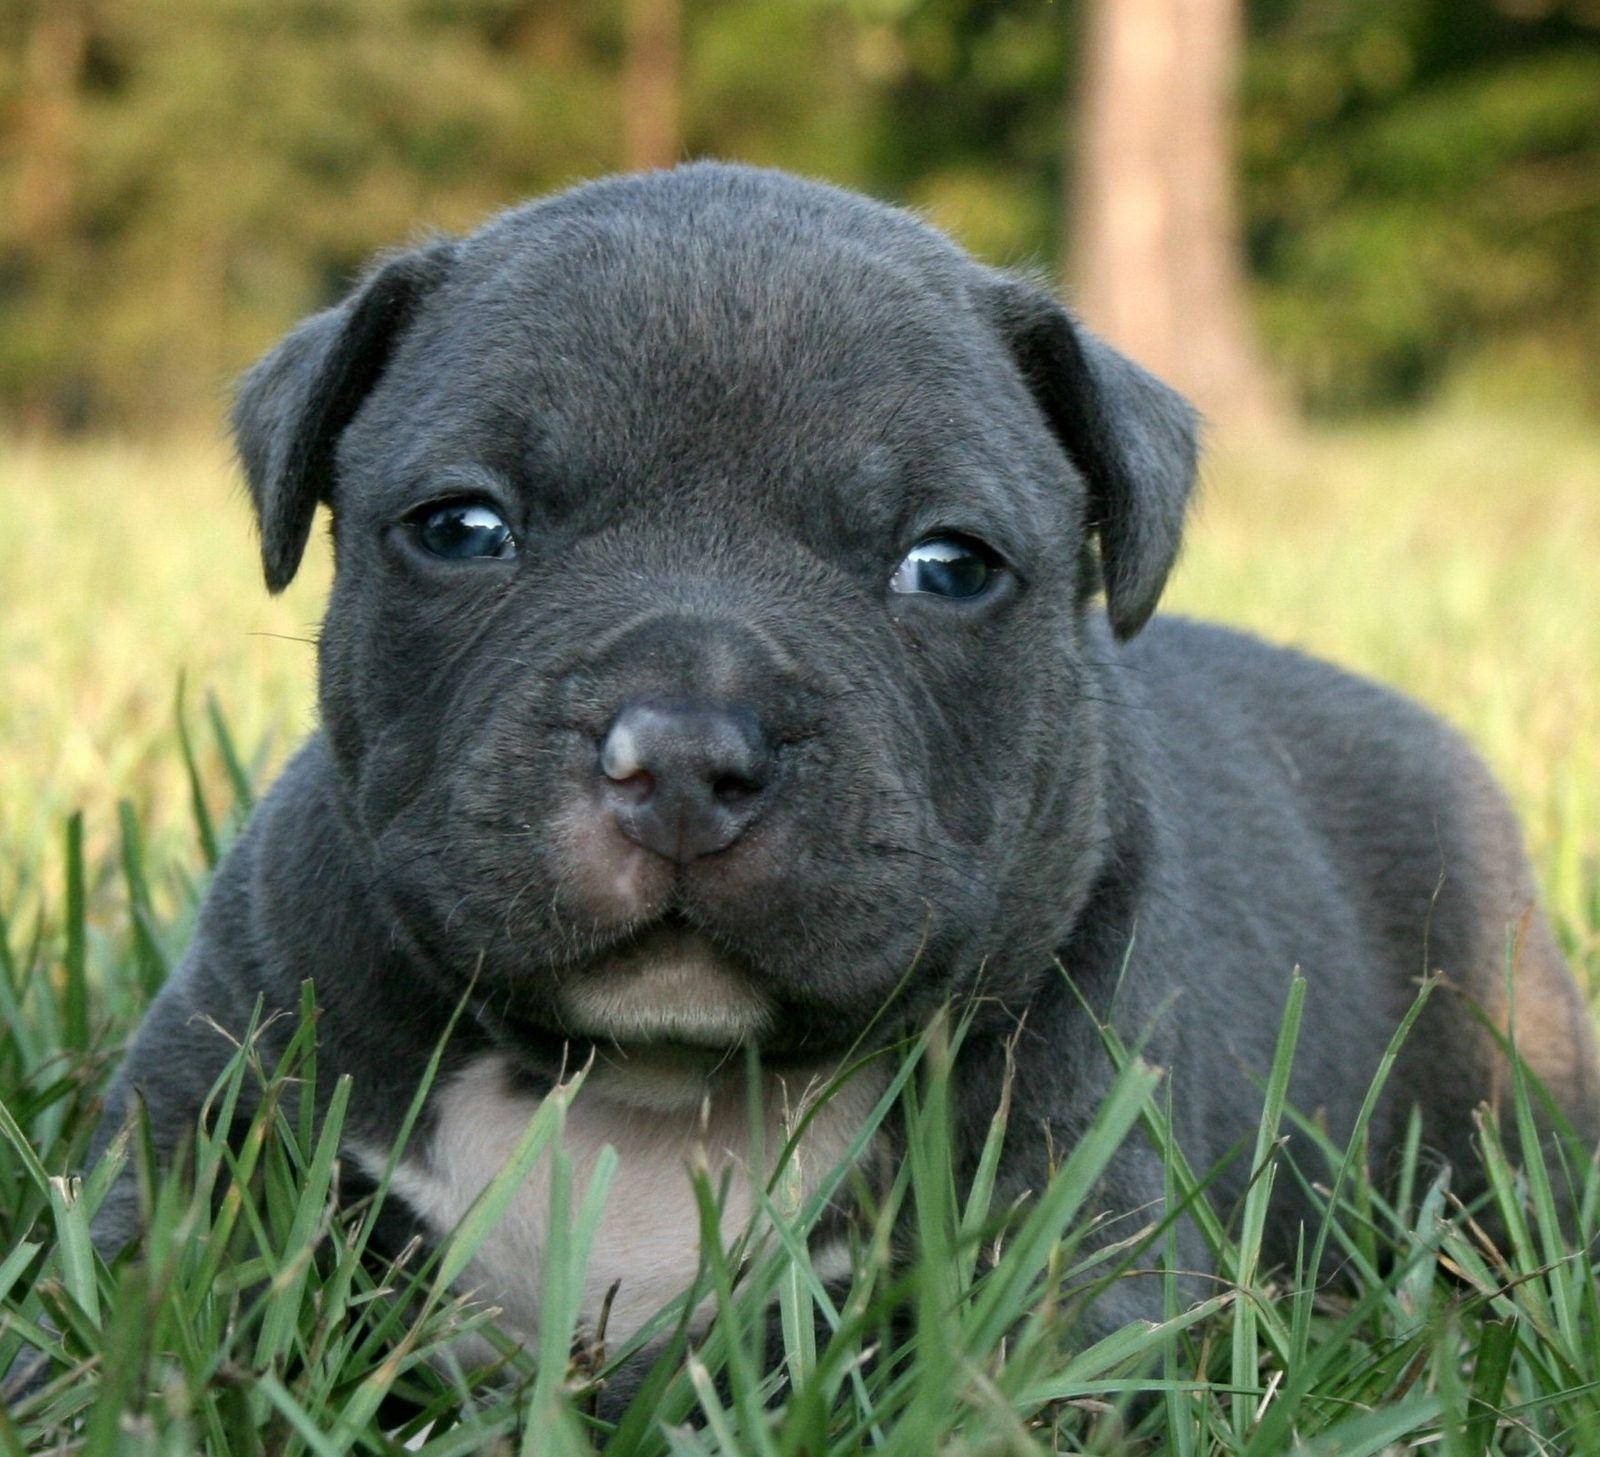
[(1156, 248), (45, 121), (650, 84)]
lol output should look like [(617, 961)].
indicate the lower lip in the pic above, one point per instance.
[(666, 987)]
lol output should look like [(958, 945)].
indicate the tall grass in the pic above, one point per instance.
[(255, 1317), (1455, 561)]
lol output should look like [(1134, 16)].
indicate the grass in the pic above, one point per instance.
[(1454, 559)]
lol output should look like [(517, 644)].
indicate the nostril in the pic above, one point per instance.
[(632, 788), (732, 789)]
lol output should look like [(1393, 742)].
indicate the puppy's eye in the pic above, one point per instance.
[(460, 530), (947, 566)]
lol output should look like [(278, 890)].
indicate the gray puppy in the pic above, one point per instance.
[(717, 655)]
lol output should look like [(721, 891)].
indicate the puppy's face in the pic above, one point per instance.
[(706, 658)]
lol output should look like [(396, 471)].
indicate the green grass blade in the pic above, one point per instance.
[(489, 1207), (284, 1294), (716, 1415), (980, 1193), (74, 961), (11, 1443), (1374, 1431), (1131, 1345), (797, 1300), (149, 959), (1351, 1158), (238, 776), (1246, 1354), (552, 1425), (305, 1050), (205, 827), (22, 1146), (743, 1364), (300, 1419), (1491, 1367), (26, 1039), (1005, 1291), (74, 1249)]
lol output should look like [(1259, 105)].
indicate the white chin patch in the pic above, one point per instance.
[(686, 993)]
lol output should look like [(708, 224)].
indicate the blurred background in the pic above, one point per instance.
[(1364, 234), (1408, 189)]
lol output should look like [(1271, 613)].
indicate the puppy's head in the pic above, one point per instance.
[(712, 649)]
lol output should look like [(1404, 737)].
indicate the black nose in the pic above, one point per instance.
[(685, 779)]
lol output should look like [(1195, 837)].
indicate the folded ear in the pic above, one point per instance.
[(1132, 438), (293, 405)]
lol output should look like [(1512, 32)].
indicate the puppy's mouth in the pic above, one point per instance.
[(669, 989)]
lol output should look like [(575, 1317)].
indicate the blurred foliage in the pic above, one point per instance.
[(179, 179), (1422, 184)]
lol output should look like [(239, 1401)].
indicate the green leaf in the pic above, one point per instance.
[(204, 827), (75, 993)]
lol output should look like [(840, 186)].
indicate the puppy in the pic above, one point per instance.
[(741, 634)]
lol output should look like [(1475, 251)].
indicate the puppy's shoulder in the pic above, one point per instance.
[(1395, 795), (1198, 669), (1388, 783)]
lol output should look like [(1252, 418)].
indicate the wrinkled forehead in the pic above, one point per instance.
[(646, 355)]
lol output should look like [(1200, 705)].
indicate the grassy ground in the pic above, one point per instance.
[(1454, 559), (131, 565)]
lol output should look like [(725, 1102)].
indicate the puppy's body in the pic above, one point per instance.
[(725, 750)]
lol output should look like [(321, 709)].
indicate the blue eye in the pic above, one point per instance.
[(463, 530), (947, 566)]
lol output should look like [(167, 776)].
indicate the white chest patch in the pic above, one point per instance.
[(647, 1240)]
